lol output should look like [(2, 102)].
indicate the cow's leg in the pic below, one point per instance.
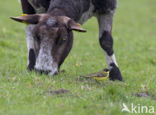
[(30, 46), (28, 9), (106, 42)]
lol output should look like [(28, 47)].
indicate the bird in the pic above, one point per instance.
[(99, 76)]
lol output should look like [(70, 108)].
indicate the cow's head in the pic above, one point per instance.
[(53, 39)]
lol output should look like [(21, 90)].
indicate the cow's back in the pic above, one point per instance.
[(79, 10), (104, 6)]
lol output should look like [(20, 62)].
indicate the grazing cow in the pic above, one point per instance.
[(49, 31)]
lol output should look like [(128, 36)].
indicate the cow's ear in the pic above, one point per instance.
[(75, 26), (72, 25), (29, 19)]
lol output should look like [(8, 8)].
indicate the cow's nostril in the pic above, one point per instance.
[(42, 71)]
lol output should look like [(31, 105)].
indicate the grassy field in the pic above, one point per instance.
[(28, 93)]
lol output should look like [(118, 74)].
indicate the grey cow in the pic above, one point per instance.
[(49, 33)]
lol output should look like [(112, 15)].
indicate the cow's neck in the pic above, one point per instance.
[(61, 12), (70, 8), (57, 12)]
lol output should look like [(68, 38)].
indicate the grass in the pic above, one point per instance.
[(28, 93)]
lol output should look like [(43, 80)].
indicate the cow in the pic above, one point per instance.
[(50, 26)]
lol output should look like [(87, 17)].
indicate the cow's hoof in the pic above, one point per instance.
[(115, 73), (30, 68)]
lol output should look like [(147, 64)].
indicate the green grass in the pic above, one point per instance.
[(27, 93)]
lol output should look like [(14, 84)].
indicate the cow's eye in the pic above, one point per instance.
[(57, 39), (37, 38), (64, 39)]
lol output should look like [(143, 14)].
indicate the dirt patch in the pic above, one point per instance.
[(142, 94), (146, 95), (57, 92)]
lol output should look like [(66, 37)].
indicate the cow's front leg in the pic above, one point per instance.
[(106, 42), (30, 46), (28, 9)]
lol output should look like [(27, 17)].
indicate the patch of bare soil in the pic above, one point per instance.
[(57, 92), (143, 94)]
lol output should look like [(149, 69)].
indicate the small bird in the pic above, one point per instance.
[(99, 76)]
